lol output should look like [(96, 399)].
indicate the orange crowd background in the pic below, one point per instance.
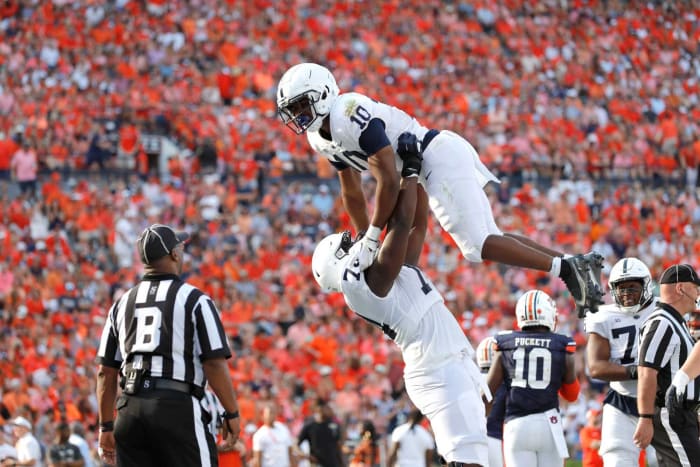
[(588, 112)]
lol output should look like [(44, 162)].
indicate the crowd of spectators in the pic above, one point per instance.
[(588, 110)]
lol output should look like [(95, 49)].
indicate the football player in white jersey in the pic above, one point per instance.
[(440, 375), (613, 336), (356, 133)]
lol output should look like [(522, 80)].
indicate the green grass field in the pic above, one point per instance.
[(570, 463)]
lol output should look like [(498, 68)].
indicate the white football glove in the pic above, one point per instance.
[(367, 249)]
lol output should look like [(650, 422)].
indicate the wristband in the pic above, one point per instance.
[(646, 415), (230, 415), (680, 380), (106, 427), (631, 371), (373, 233)]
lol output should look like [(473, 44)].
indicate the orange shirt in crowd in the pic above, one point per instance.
[(590, 443)]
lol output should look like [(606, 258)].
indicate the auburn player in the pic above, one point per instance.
[(536, 365), (356, 133), (440, 375), (494, 421), (613, 337)]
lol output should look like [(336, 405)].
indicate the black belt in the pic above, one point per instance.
[(157, 384), (429, 136)]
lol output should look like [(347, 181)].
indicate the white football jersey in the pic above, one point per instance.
[(622, 332), (413, 315), (349, 116)]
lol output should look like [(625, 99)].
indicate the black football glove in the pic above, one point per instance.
[(410, 154), (675, 400)]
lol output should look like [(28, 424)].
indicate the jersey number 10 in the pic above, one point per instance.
[(527, 364)]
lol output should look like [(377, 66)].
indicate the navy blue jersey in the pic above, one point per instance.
[(534, 364), (494, 422)]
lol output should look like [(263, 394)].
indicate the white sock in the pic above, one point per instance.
[(556, 266)]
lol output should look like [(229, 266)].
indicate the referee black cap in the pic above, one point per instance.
[(679, 273), (159, 240)]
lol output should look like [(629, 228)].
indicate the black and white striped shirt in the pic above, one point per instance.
[(167, 323), (665, 345)]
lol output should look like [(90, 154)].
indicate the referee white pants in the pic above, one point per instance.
[(454, 177), (449, 396)]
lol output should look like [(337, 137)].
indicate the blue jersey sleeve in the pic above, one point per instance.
[(374, 138)]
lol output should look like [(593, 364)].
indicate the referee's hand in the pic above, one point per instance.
[(232, 429), (107, 448)]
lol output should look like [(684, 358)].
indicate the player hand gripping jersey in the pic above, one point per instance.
[(535, 365), (440, 374), (613, 337), (356, 133)]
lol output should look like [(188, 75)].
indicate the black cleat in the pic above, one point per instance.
[(595, 264), (582, 278)]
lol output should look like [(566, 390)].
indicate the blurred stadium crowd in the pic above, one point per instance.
[(587, 110)]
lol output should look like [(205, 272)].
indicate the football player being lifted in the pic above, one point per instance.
[(356, 133), (613, 335)]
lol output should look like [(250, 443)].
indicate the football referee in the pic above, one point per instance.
[(665, 345), (165, 341)]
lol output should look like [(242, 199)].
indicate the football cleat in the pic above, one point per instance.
[(583, 281), (595, 264)]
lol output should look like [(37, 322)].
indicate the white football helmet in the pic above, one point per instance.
[(631, 269), (305, 95), (484, 353), (536, 308), (329, 259)]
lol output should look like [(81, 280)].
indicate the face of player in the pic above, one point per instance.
[(629, 293), (300, 113)]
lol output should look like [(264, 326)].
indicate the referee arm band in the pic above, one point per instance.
[(106, 427), (646, 415)]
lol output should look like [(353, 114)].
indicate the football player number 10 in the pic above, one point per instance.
[(527, 364)]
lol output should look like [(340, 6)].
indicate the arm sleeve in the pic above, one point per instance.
[(108, 354), (210, 332), (373, 138)]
